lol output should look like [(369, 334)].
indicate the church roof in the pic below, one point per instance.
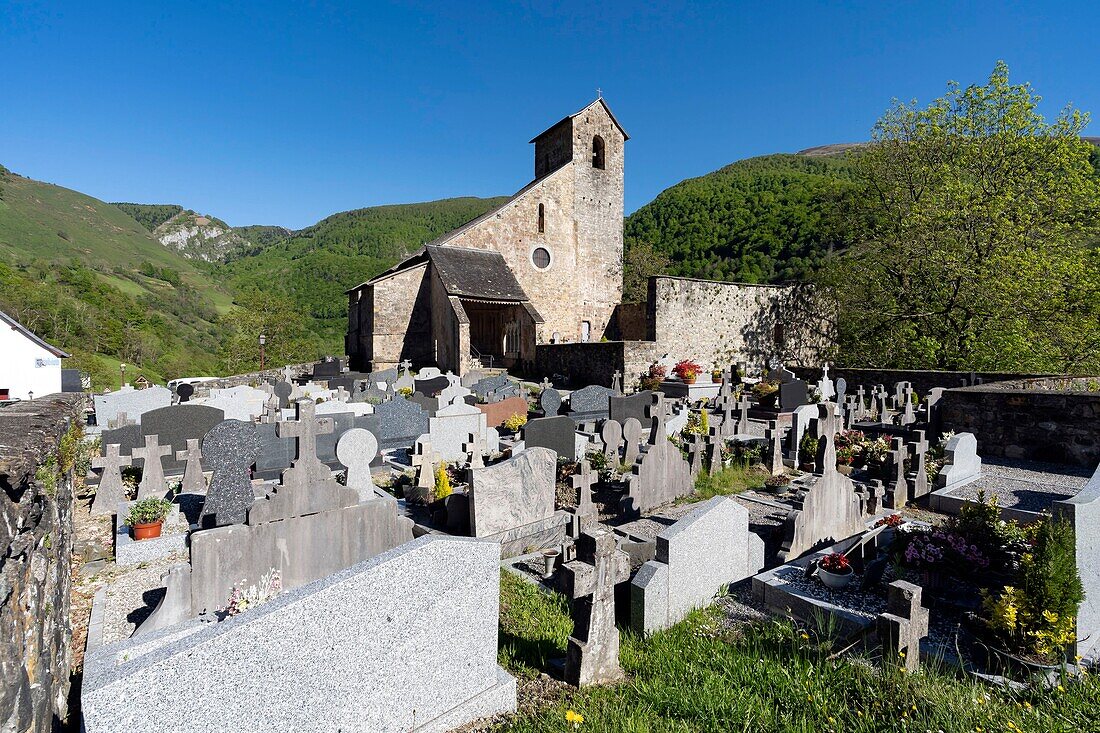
[(567, 118), (475, 273), (20, 328)]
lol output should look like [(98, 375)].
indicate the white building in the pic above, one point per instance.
[(27, 363)]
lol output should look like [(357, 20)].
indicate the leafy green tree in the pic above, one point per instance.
[(972, 238), (641, 260), (288, 338)]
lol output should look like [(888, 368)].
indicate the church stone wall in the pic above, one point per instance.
[(401, 312)]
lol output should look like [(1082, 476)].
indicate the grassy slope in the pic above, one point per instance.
[(702, 676), (314, 266)]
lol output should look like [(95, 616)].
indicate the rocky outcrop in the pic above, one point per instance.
[(36, 500)]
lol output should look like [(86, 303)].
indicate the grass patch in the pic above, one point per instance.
[(730, 480), (697, 677)]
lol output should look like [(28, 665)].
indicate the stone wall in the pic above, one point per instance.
[(1042, 425), (398, 321), (35, 551), (922, 379)]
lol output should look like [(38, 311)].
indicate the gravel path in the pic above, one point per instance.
[(1026, 485), (131, 597)]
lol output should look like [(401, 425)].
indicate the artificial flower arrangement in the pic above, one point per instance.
[(687, 370)]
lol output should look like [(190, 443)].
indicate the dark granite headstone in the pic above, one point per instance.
[(432, 387), (793, 394), (327, 368), (634, 406), (127, 438), (70, 381), (429, 404), (326, 443), (283, 390), (348, 383), (400, 423), (229, 450), (482, 388), (550, 402), (557, 433), (275, 454), (591, 403), (184, 391), (175, 424)]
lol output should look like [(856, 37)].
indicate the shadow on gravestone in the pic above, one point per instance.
[(126, 438)]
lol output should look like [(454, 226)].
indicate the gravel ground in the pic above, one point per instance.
[(130, 599), (651, 526), (1026, 485)]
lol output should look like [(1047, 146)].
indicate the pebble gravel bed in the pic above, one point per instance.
[(1025, 485), (127, 603)]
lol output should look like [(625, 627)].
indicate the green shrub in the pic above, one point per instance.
[(148, 510)]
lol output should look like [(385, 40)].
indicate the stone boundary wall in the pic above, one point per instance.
[(36, 541), (1040, 425), (922, 379)]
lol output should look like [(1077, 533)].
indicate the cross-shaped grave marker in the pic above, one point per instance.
[(655, 411), (193, 480), (617, 381), (918, 460), (696, 449), (582, 482), (111, 491), (775, 439), (715, 442), (475, 446), (592, 656), (152, 470), (903, 625), (898, 487), (306, 429), (424, 459)]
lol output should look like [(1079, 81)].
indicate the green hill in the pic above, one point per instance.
[(313, 267), (150, 216), (760, 220)]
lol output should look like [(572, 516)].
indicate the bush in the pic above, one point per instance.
[(1038, 616), (807, 448), (148, 511), (442, 482), (514, 422)]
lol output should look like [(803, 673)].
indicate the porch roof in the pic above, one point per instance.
[(478, 274)]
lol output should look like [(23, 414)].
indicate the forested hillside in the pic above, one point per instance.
[(760, 220)]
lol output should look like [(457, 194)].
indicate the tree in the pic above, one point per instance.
[(641, 260), (288, 340), (973, 238)]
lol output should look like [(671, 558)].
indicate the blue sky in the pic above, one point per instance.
[(284, 113)]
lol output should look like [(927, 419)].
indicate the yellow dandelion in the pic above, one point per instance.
[(572, 716)]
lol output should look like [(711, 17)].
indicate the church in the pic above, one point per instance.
[(535, 285), (546, 266)]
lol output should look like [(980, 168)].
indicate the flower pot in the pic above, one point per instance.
[(845, 469), (768, 401), (146, 531), (806, 466), (777, 488), (1001, 661), (716, 377), (688, 380), (835, 580)]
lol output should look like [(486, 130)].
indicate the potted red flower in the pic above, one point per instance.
[(687, 371), (834, 570)]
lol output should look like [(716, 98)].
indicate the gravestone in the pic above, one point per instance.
[(800, 420), (586, 513), (556, 433), (384, 376), (632, 439), (152, 471), (356, 449), (897, 489), (134, 402), (635, 406), (932, 413), (193, 480), (793, 394), (918, 463), (612, 435), (429, 404), (591, 403), (617, 382), (307, 429), (429, 372), (661, 474), (276, 453), (451, 427), (961, 463), (696, 450), (841, 392), (709, 548), (432, 387), (715, 443), (592, 655), (328, 367), (452, 393), (238, 403), (678, 420), (495, 384), (228, 450), (825, 385), (400, 423), (283, 391), (1083, 513), (184, 391), (903, 625), (774, 435), (550, 402), (126, 438), (111, 491), (177, 424), (512, 495), (424, 460), (830, 510), (322, 657), (475, 447)]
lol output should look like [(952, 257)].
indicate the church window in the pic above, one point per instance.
[(540, 258), (597, 152), (586, 331), (777, 334), (542, 219)]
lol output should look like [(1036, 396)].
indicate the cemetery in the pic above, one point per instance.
[(484, 548)]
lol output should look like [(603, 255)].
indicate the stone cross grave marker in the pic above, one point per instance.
[(475, 446), (918, 462), (655, 411), (424, 460), (111, 491), (898, 488), (193, 480), (714, 451), (696, 449), (861, 405), (305, 430), (728, 425), (743, 415), (881, 411), (825, 385), (612, 434), (356, 449), (582, 482), (592, 656), (908, 417), (152, 470), (775, 440), (632, 435), (617, 381), (229, 450), (550, 402), (903, 625), (841, 393)]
